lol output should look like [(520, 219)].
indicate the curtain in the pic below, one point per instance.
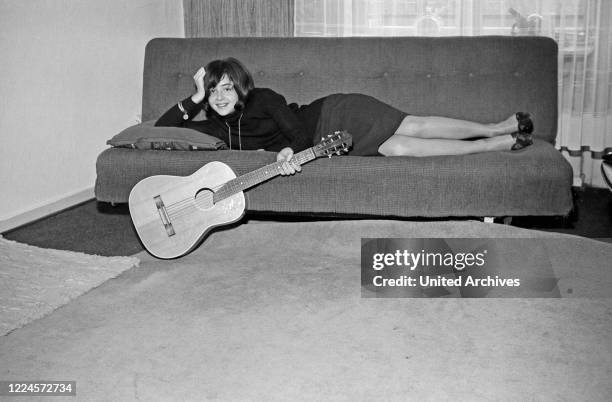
[(582, 28), (235, 18)]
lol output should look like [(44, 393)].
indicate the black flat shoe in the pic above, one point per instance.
[(522, 140), (525, 125)]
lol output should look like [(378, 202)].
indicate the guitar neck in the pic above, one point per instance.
[(260, 175)]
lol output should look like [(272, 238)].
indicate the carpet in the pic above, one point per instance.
[(34, 281), (274, 311)]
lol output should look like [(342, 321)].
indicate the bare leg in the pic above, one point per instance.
[(444, 127), (403, 145)]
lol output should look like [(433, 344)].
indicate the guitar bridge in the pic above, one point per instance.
[(163, 215)]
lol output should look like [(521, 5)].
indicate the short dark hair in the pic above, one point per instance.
[(236, 72)]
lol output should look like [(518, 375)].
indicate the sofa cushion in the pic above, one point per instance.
[(147, 136), (534, 181), (483, 79)]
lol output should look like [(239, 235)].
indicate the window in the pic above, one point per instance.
[(555, 18)]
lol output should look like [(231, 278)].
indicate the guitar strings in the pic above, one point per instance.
[(181, 207), (192, 204), (189, 199), (185, 206), (177, 208), (185, 210)]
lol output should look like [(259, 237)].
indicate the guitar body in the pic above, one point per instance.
[(172, 214)]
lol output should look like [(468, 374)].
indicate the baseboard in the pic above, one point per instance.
[(46, 210)]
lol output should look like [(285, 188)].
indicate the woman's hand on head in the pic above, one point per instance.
[(289, 165), (198, 79)]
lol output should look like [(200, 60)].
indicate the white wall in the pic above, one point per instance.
[(70, 78)]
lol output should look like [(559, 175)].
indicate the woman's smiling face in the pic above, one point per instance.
[(223, 97)]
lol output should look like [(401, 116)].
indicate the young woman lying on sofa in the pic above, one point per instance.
[(249, 118)]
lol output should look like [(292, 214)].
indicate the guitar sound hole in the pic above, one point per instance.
[(204, 198)]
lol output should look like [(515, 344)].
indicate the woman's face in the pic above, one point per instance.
[(223, 97)]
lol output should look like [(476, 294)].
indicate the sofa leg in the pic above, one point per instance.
[(507, 220)]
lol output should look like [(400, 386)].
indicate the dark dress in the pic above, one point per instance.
[(369, 121), (268, 122)]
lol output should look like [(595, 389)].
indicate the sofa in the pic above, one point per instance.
[(483, 79)]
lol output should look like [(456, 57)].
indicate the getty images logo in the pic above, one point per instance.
[(422, 259)]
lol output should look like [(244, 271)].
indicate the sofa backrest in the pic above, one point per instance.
[(484, 78)]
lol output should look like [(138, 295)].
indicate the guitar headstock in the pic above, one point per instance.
[(335, 143)]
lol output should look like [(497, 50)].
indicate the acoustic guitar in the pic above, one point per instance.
[(172, 214)]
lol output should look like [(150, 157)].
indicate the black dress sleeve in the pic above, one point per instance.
[(174, 116), (287, 121)]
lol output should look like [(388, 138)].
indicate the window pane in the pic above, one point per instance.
[(553, 18)]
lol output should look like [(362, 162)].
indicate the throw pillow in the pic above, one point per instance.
[(147, 136)]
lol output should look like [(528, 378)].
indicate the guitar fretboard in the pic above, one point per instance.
[(260, 175)]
